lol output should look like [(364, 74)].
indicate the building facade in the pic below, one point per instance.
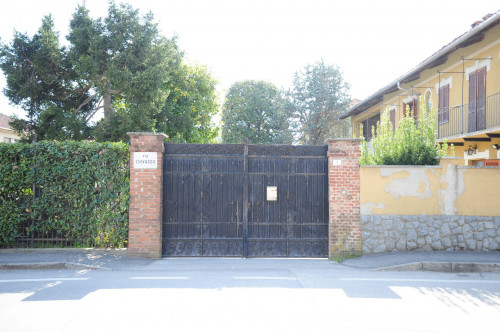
[(461, 82), (7, 134)]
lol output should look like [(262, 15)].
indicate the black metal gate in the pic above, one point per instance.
[(245, 200)]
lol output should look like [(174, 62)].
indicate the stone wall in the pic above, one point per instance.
[(446, 207), (386, 233)]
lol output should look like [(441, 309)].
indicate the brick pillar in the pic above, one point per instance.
[(146, 192), (343, 195)]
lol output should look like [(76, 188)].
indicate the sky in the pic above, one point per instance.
[(372, 42)]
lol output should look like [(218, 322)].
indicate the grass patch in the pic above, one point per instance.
[(340, 256)]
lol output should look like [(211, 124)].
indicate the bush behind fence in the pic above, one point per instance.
[(64, 194)]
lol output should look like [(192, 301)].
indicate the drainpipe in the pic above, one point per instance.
[(410, 91)]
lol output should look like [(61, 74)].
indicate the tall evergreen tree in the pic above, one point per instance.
[(120, 65), (43, 82), (318, 97)]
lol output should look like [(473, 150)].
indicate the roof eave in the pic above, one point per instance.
[(434, 60)]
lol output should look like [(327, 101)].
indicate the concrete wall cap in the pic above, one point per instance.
[(331, 140), (402, 166), (146, 134), (480, 167)]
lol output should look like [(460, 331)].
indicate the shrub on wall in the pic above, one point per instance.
[(70, 192), (409, 144)]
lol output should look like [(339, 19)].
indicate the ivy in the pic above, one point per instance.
[(71, 190), (409, 144)]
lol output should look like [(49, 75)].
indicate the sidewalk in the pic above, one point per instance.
[(438, 261), (111, 259)]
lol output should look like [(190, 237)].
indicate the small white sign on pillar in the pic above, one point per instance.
[(336, 162), (146, 160)]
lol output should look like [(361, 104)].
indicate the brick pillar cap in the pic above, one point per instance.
[(332, 140), (146, 134)]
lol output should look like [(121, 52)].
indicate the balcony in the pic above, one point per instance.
[(480, 117)]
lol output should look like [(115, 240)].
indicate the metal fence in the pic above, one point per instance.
[(458, 118)]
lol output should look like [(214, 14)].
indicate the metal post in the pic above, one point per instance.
[(462, 108), (439, 98), (245, 201), (35, 194)]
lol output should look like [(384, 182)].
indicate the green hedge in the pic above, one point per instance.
[(64, 194)]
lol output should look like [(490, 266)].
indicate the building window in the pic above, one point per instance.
[(428, 100), (368, 124), (444, 104), (478, 163), (411, 107)]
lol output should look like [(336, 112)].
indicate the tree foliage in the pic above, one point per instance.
[(192, 102), (42, 81), (409, 144), (319, 95), (255, 111), (119, 65)]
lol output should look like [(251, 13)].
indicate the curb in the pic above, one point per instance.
[(48, 266), (446, 267), (122, 251)]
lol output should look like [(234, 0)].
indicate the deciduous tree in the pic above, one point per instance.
[(190, 106), (254, 111)]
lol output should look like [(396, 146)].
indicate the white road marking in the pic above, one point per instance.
[(43, 280), (263, 278), (423, 280), (158, 278)]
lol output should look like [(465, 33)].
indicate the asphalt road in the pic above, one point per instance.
[(247, 295)]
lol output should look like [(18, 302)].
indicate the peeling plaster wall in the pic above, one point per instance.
[(432, 190), (430, 208), (452, 186), (416, 184)]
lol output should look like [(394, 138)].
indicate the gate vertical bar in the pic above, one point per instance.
[(245, 201)]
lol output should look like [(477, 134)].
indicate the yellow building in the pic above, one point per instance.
[(462, 82)]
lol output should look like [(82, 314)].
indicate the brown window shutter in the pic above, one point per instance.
[(446, 103), (472, 102), (481, 99), (393, 119)]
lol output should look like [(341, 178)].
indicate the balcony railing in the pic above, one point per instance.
[(485, 114)]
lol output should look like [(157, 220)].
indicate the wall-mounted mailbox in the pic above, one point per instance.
[(272, 193)]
